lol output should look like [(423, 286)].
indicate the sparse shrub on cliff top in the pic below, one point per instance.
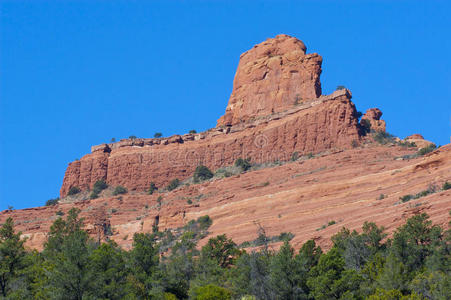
[(74, 190), (51, 202), (427, 149), (157, 135), (202, 173), (132, 137), (192, 131), (152, 188), (119, 190), (340, 87), (113, 140), (383, 137), (244, 164), (173, 184)]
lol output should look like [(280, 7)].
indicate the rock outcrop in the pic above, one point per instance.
[(373, 116), (326, 123), (272, 77)]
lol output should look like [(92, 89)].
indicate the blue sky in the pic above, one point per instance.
[(77, 73)]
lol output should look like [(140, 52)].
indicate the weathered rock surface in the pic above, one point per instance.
[(300, 197), (272, 77), (373, 115), (328, 122)]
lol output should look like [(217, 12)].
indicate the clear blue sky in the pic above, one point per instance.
[(77, 73)]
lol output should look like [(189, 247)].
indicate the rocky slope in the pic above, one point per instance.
[(316, 167)]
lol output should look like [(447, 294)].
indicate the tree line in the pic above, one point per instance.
[(413, 264)]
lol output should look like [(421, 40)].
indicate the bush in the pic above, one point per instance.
[(211, 292), (51, 202), (204, 222), (152, 188), (157, 135), (202, 173), (173, 184), (94, 194), (383, 137), (340, 87), (100, 185), (192, 131), (74, 190), (113, 140), (427, 149), (446, 186), (294, 156), (132, 137), (60, 213), (244, 164), (119, 190)]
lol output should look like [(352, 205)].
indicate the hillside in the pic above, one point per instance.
[(317, 166)]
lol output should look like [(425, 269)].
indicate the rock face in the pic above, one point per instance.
[(272, 77), (299, 197), (373, 115), (327, 123)]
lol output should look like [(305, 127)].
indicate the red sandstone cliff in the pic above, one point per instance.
[(276, 108), (272, 77)]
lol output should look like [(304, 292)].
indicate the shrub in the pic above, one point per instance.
[(51, 202), (189, 201), (381, 196), (354, 144), (157, 135), (60, 213), (286, 236), (446, 186), (132, 137), (427, 149), (383, 137), (113, 140), (294, 156), (94, 194), (100, 185), (340, 87), (331, 223), (244, 164), (173, 184), (152, 188), (202, 173), (119, 190), (204, 222), (192, 131), (74, 190), (298, 100), (310, 155), (211, 292), (406, 198)]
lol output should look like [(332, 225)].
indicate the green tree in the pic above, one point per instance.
[(143, 263), (157, 135), (12, 255), (109, 266), (221, 250), (211, 292), (67, 251)]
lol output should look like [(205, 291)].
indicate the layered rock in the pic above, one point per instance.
[(327, 123), (298, 197), (272, 77)]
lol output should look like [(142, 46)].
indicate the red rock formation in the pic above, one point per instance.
[(272, 77), (327, 123), (300, 197), (373, 115)]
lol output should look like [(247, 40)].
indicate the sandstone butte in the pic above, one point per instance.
[(276, 112)]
